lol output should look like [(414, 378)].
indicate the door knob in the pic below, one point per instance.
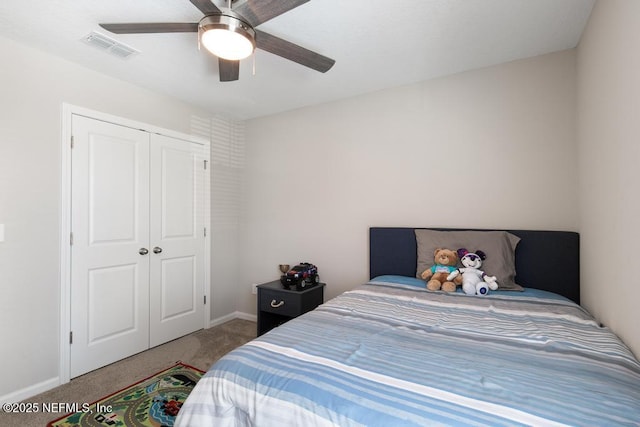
[(157, 250), (143, 251)]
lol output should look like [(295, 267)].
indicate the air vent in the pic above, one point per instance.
[(109, 45)]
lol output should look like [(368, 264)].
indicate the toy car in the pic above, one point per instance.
[(301, 276)]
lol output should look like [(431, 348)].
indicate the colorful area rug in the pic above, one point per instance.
[(154, 401)]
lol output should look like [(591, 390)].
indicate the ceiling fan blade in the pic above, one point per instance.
[(293, 52), (229, 70), (151, 27), (255, 12), (205, 6)]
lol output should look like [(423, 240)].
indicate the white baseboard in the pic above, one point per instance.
[(246, 316), (235, 315), (30, 391)]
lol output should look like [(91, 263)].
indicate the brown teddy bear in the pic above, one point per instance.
[(445, 263)]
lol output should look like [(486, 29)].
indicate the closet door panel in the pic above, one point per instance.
[(110, 224), (177, 237), (178, 198), (178, 287), (114, 193)]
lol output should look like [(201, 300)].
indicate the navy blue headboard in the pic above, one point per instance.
[(548, 260)]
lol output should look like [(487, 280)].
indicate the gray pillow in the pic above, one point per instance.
[(499, 246)]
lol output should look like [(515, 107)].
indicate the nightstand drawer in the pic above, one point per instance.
[(287, 304), (277, 305)]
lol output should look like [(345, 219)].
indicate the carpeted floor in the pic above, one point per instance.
[(199, 349)]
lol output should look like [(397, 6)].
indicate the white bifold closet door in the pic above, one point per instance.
[(137, 257)]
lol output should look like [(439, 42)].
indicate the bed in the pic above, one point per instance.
[(391, 353)]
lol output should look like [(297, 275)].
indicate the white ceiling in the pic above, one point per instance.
[(376, 44)]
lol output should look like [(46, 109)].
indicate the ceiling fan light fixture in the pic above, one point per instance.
[(227, 37)]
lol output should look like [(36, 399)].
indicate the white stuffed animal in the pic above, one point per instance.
[(474, 280)]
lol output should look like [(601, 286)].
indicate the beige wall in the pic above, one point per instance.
[(488, 148), (34, 86), (609, 133)]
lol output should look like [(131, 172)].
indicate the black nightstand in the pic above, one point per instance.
[(276, 305)]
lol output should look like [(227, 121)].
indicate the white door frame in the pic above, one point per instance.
[(68, 111)]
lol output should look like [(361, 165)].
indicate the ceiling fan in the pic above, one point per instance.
[(231, 34)]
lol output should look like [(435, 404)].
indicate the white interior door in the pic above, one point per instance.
[(110, 226), (137, 259), (177, 239)]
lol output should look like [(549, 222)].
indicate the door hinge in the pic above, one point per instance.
[(205, 164), (72, 142), (71, 239), (205, 232), (71, 337), (205, 299)]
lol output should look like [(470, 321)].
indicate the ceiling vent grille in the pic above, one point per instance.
[(109, 45)]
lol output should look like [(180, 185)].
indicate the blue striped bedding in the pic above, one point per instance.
[(389, 353)]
